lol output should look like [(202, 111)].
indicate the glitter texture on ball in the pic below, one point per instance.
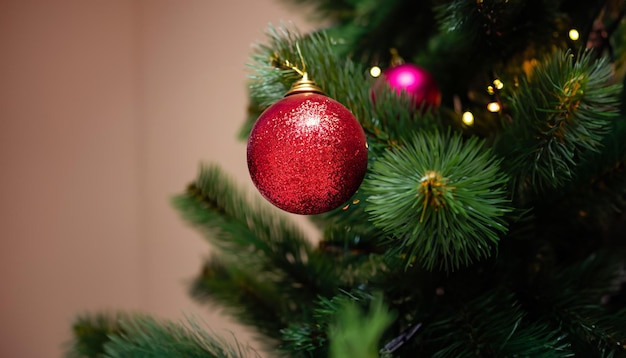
[(307, 154)]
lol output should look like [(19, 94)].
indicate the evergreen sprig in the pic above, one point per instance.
[(150, 338), (493, 324), (312, 338), (120, 334), (92, 331), (249, 297), (367, 29), (560, 114), (494, 28), (357, 332), (263, 250), (599, 190), (571, 298), (441, 198), (236, 223)]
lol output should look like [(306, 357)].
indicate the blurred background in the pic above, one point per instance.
[(107, 107)]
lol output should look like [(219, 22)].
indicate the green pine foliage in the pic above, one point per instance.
[(91, 332), (124, 335), (357, 333), (494, 325), (501, 238), (563, 111), (441, 197)]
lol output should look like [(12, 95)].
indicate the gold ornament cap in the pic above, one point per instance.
[(396, 59), (304, 85)]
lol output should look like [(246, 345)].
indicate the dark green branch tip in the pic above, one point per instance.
[(561, 114), (442, 197)]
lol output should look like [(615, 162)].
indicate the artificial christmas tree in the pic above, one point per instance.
[(500, 236)]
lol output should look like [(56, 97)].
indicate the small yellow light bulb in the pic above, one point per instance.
[(375, 71), (493, 107), (490, 90), (499, 85), (573, 34), (468, 118)]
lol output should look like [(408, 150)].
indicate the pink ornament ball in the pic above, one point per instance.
[(412, 80)]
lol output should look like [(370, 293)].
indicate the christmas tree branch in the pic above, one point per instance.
[(355, 333), (575, 298), (263, 259), (333, 320), (134, 335), (232, 222), (491, 325), (495, 30), (252, 299), (147, 337), (598, 194), (442, 198), (560, 115), (368, 29), (91, 332)]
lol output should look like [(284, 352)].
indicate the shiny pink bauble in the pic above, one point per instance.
[(307, 154), (413, 80)]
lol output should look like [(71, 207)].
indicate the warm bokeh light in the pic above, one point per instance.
[(499, 85), (573, 34), (493, 107), (375, 71), (468, 118)]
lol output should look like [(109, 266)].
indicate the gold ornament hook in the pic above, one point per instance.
[(396, 59), (304, 85)]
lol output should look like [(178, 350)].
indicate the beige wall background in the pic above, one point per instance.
[(106, 109)]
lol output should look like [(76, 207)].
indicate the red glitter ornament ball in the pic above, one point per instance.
[(413, 80), (307, 153)]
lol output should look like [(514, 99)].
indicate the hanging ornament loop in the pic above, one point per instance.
[(396, 59), (304, 84)]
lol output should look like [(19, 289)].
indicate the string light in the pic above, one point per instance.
[(493, 107), (375, 71), (573, 34), (497, 85), (468, 118)]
